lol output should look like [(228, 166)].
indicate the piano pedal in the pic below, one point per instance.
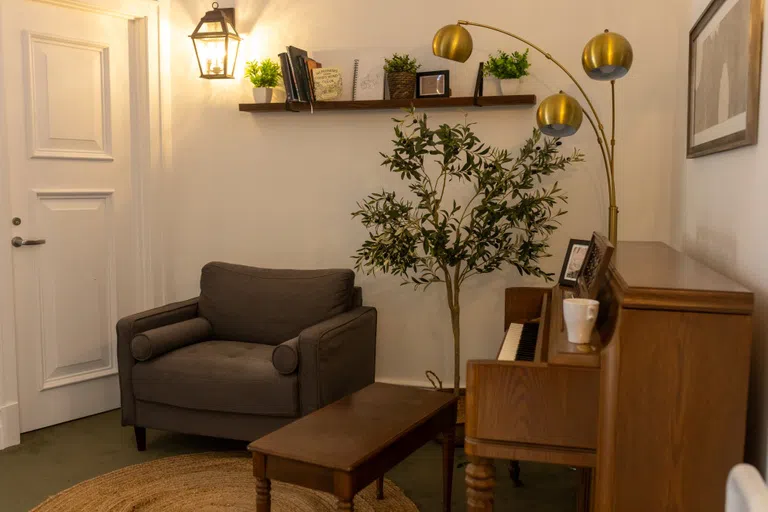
[(514, 473)]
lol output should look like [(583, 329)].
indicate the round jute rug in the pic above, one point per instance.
[(204, 482)]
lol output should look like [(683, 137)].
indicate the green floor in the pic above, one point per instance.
[(55, 458)]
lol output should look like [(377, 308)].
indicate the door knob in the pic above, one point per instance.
[(17, 241)]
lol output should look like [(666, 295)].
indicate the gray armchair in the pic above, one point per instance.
[(257, 349)]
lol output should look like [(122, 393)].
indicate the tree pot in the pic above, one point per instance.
[(498, 87), (262, 94), (402, 86)]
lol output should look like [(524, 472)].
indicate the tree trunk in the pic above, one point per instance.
[(455, 323)]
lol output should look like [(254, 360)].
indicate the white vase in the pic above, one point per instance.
[(510, 86), (262, 94)]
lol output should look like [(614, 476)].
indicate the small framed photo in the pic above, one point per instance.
[(574, 259), (595, 267), (433, 84)]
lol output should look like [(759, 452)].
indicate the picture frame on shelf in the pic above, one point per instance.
[(574, 259), (595, 267), (725, 51), (433, 84)]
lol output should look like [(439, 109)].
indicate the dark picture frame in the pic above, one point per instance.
[(733, 44), (574, 259), (595, 267), (433, 84)]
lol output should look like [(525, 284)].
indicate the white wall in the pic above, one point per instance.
[(277, 190), (724, 225)]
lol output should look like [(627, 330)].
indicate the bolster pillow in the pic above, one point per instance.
[(285, 357), (156, 342)]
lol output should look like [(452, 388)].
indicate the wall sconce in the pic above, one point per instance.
[(216, 43)]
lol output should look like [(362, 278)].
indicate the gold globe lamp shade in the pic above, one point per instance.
[(607, 56), (559, 115), (452, 42)]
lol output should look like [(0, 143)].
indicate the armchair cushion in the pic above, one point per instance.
[(156, 342), (224, 376), (270, 306), (285, 356)]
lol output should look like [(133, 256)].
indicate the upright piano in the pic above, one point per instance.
[(653, 410)]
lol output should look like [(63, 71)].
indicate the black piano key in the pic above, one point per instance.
[(526, 349)]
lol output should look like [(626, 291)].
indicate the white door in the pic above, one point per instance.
[(67, 87)]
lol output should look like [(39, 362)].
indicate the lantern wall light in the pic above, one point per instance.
[(607, 57), (216, 43)]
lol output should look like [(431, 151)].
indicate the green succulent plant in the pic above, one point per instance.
[(504, 66), (263, 74), (401, 64)]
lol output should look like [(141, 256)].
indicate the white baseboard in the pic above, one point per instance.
[(10, 434)]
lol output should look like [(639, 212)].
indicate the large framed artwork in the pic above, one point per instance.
[(724, 77)]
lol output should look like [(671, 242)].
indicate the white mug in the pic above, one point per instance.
[(580, 317)]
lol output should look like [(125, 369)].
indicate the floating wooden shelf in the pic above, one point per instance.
[(468, 101)]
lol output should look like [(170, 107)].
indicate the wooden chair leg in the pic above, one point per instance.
[(514, 473), (380, 488), (263, 495), (449, 449), (141, 438)]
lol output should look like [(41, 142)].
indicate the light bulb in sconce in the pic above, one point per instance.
[(216, 43)]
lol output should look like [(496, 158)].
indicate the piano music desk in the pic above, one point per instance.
[(653, 410)]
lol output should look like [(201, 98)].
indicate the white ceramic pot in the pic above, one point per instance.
[(262, 94), (510, 86)]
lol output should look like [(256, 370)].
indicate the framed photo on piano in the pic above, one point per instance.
[(574, 259), (595, 267)]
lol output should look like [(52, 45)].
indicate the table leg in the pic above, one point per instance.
[(380, 488), (584, 497), (480, 480), (263, 497), (344, 506), (449, 448)]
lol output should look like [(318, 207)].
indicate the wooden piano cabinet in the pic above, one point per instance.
[(654, 413)]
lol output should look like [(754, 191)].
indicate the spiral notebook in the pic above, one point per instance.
[(368, 84)]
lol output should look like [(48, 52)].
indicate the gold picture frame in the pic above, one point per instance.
[(725, 48)]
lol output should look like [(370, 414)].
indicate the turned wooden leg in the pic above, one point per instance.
[(263, 496), (141, 438), (345, 506), (449, 448), (480, 479), (380, 488)]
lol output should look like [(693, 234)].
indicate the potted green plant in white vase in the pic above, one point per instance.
[(264, 76), (508, 69), (401, 76)]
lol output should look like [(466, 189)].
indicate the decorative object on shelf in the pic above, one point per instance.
[(264, 76), (433, 239), (724, 77), (216, 43), (574, 258), (607, 56), (367, 80), (328, 84), (433, 84), (401, 76), (508, 69), (595, 266)]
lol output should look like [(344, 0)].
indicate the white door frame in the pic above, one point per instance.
[(149, 53)]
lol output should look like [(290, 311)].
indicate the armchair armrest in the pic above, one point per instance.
[(337, 357), (156, 342), (128, 328)]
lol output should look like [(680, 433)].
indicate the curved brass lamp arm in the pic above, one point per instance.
[(549, 57)]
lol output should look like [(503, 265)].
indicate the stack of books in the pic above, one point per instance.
[(297, 74)]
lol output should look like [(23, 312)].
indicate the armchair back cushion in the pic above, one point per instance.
[(270, 306)]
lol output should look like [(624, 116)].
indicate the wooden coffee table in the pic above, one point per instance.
[(345, 446)]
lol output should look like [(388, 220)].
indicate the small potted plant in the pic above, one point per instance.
[(264, 76), (401, 76), (508, 69)]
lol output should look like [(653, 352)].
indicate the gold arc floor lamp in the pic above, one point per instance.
[(607, 57)]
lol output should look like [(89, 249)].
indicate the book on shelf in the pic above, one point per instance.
[(285, 68), (297, 58), (311, 65)]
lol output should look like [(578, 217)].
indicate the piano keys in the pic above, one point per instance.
[(519, 342)]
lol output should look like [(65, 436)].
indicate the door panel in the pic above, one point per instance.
[(67, 79)]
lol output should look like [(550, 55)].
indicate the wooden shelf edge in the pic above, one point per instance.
[(462, 101)]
